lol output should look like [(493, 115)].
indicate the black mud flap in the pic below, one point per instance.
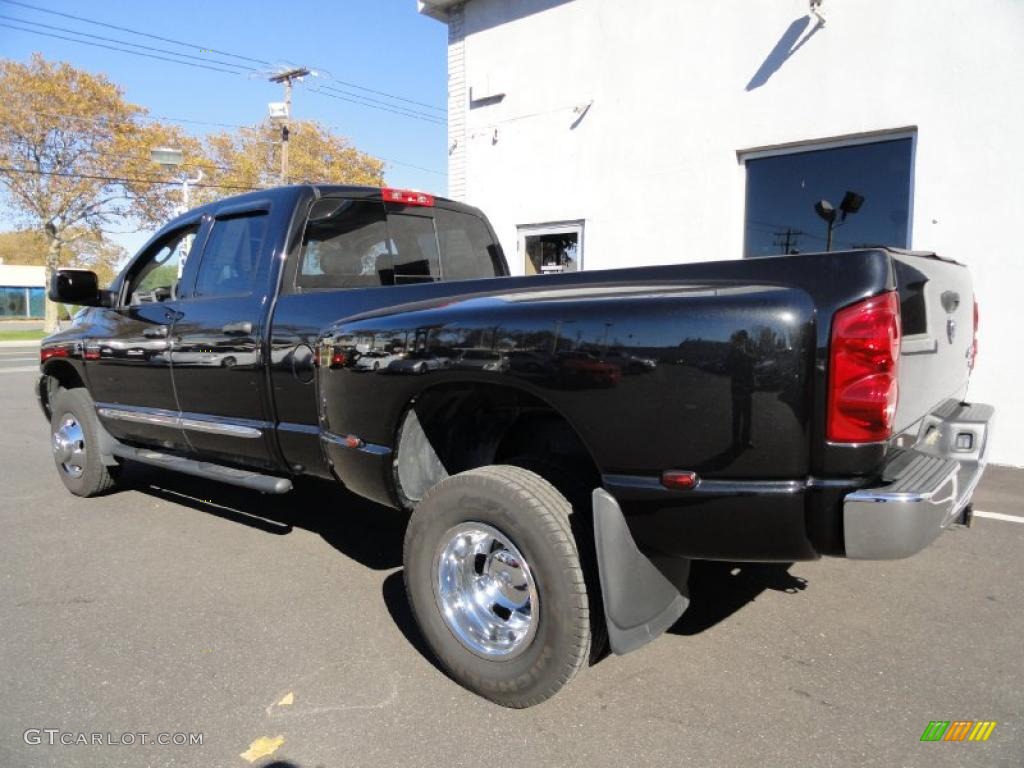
[(639, 602)]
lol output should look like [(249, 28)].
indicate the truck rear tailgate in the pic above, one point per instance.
[(937, 318)]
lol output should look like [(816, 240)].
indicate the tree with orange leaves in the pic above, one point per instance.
[(74, 156)]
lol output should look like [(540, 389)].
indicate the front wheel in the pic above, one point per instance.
[(74, 436), (494, 578)]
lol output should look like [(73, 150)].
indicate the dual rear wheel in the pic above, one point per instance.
[(498, 585)]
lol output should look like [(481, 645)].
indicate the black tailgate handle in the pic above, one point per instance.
[(241, 328)]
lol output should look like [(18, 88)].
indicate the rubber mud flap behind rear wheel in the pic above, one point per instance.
[(639, 602)]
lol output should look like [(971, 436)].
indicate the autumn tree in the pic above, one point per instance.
[(251, 157), (85, 250), (74, 157)]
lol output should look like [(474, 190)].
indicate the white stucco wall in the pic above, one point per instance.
[(652, 167), (21, 276)]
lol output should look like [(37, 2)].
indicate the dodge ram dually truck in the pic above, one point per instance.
[(567, 444)]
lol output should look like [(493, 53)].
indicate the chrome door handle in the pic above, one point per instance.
[(158, 332)]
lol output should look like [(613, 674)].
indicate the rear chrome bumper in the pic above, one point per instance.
[(924, 489)]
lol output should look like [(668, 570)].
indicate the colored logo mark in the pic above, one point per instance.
[(958, 730)]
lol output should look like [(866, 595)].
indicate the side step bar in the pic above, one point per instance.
[(240, 477)]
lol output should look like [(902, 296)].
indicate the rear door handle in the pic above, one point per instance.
[(241, 328), (156, 332)]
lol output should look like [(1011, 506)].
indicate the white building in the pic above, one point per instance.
[(607, 133), (21, 291)]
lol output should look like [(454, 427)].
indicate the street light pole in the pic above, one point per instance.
[(286, 78), (851, 203), (185, 195), (171, 158)]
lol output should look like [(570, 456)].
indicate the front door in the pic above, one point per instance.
[(128, 360), (217, 360)]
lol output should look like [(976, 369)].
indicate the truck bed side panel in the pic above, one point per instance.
[(651, 377)]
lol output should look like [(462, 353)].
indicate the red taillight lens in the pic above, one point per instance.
[(863, 387), (45, 353), (406, 196), (974, 346), (338, 360)]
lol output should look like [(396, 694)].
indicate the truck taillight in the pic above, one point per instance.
[(974, 344), (865, 353), (406, 196)]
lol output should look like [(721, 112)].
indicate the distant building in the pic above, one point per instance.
[(603, 133), (22, 291)]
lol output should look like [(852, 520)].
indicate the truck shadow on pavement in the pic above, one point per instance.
[(372, 535), (720, 589), (361, 530)]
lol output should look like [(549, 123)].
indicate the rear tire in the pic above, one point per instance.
[(74, 433), (495, 582)]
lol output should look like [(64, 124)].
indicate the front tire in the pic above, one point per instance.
[(494, 579), (74, 433)]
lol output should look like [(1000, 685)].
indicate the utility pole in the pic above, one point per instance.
[(787, 239), (286, 78)]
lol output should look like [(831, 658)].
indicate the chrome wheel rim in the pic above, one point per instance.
[(485, 591), (69, 446)]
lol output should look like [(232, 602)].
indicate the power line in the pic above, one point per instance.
[(113, 48), (352, 99), (787, 239), (410, 165), (206, 48), (416, 112), (126, 42), (134, 32), (123, 179), (390, 96), (83, 118), (98, 153), (413, 115)]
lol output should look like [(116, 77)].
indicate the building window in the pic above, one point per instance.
[(551, 248), (14, 302), (845, 196)]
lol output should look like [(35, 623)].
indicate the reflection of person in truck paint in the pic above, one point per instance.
[(740, 366)]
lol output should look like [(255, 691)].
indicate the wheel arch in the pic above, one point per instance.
[(455, 426), (56, 373)]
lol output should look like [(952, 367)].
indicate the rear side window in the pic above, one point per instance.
[(345, 247), (467, 249), (231, 257), (414, 249), (356, 243)]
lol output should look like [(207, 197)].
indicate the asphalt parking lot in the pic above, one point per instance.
[(180, 606)]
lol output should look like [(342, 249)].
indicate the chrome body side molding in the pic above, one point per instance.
[(188, 421)]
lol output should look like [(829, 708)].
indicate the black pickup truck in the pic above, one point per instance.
[(566, 444)]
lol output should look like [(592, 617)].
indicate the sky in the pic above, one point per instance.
[(354, 45)]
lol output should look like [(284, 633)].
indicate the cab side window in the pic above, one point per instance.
[(231, 258), (467, 249), (158, 271), (345, 246)]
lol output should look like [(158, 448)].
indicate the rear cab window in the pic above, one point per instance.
[(364, 243)]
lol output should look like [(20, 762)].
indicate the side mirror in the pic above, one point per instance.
[(77, 286)]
